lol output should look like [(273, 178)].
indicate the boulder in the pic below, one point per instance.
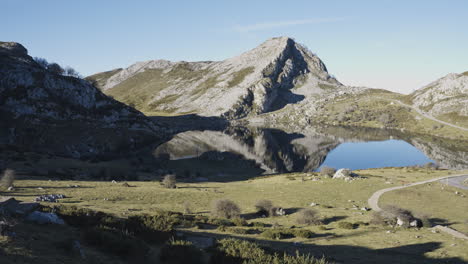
[(278, 211), (400, 222), (416, 223), (342, 173), (44, 218)]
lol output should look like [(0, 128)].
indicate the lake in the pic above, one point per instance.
[(252, 151)]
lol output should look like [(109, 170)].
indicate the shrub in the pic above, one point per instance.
[(225, 208), (169, 181), (55, 68), (304, 233), (231, 250), (327, 171), (263, 207), (239, 221), (401, 213), (217, 221), (180, 252), (240, 231), (346, 225), (8, 178), (273, 234), (222, 228), (308, 217), (258, 224), (378, 218), (115, 243)]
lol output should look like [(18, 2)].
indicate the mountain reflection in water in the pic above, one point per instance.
[(270, 151)]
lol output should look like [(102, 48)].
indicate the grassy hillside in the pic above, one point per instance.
[(380, 109), (335, 199)]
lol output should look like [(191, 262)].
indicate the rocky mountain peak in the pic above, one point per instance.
[(268, 77)]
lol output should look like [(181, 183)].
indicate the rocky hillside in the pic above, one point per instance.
[(445, 97), (44, 111), (266, 78)]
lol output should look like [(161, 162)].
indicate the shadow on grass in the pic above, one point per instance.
[(408, 254), (329, 220)]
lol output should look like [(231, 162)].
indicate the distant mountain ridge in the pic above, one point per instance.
[(276, 73), (282, 83)]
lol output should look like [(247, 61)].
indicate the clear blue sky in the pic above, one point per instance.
[(396, 45)]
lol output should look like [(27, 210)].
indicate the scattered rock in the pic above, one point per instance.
[(51, 198), (44, 218), (11, 188), (365, 209), (313, 204), (113, 181)]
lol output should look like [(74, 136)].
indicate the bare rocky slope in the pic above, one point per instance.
[(266, 78), (445, 96), (63, 115), (280, 74)]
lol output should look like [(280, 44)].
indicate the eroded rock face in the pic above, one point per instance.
[(268, 77), (448, 94), (43, 111)]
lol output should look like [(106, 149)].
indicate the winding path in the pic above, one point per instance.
[(374, 200), (419, 111)]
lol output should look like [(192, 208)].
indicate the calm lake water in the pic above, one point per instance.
[(249, 152), (375, 154)]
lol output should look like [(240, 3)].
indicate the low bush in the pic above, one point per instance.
[(308, 217), (180, 252), (239, 221), (395, 211), (263, 207), (304, 233), (346, 225), (115, 243), (258, 224), (225, 208), (219, 221), (230, 251), (240, 231), (169, 181), (274, 234), (378, 218)]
